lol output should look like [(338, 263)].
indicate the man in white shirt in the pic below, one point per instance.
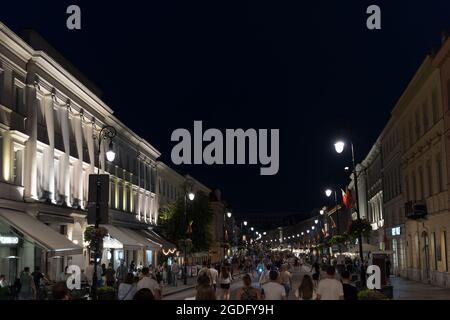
[(330, 288), (175, 271), (272, 289), (214, 274), (149, 283)]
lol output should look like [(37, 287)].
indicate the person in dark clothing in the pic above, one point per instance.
[(350, 291)]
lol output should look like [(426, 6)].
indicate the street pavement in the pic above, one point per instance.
[(237, 284), (403, 289), (412, 290)]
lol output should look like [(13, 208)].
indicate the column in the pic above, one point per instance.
[(7, 156), (48, 177), (64, 171), (30, 177), (78, 168), (89, 137)]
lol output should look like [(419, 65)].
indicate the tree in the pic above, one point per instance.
[(175, 224)]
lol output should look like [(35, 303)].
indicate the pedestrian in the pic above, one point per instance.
[(60, 291), (40, 287), (90, 272), (144, 294), (127, 288), (121, 271), (286, 278), (148, 282), (247, 292), (132, 267), (225, 282), (3, 282), (175, 272), (350, 291), (330, 288), (27, 287), (306, 290), (63, 275), (205, 271), (273, 290), (205, 292), (214, 275), (110, 275), (316, 278)]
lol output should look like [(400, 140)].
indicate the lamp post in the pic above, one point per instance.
[(243, 224), (328, 193), (339, 147), (107, 132), (191, 197), (226, 214)]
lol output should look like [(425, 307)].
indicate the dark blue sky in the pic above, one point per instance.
[(310, 68)]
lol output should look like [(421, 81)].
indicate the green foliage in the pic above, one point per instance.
[(338, 239), (4, 292), (359, 226), (175, 224), (368, 294), (91, 235)]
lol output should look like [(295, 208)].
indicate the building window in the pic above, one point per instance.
[(408, 198), (421, 184), (425, 117), (417, 128), (439, 173), (434, 102), (444, 250), (430, 178), (414, 186), (433, 240), (410, 133)]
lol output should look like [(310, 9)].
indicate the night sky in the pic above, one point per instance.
[(311, 69)]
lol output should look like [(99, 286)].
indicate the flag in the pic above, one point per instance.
[(347, 198), (189, 229)]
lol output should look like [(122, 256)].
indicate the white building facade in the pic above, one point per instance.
[(49, 127)]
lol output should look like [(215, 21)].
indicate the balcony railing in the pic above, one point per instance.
[(415, 210)]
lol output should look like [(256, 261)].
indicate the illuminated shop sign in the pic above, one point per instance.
[(9, 240), (396, 231)]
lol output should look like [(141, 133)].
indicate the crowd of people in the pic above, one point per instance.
[(269, 276), (264, 276)]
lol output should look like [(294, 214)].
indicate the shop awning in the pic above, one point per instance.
[(142, 240), (152, 235), (55, 243), (121, 235)]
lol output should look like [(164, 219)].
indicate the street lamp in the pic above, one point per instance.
[(339, 147), (191, 197), (252, 228), (107, 132), (316, 221), (225, 214), (321, 212)]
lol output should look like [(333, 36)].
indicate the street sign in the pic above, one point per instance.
[(98, 195)]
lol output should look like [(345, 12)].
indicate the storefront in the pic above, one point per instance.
[(27, 242), (162, 247), (118, 246)]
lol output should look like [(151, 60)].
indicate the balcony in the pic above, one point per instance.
[(415, 210)]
